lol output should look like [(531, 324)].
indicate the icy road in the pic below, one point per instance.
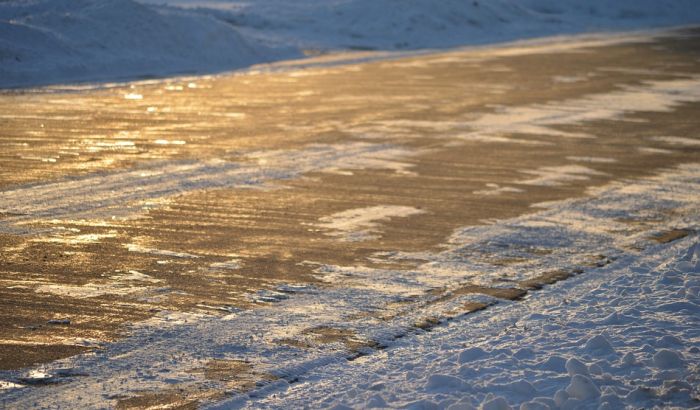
[(206, 240)]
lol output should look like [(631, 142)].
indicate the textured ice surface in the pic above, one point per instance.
[(627, 324)]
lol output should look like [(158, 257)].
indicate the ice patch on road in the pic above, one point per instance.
[(531, 123), (650, 150), (132, 247), (542, 119), (232, 264), (558, 175), (596, 160), (362, 224), (124, 193), (682, 141), (496, 189), (137, 276), (90, 290)]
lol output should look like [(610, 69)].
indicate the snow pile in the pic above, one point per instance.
[(415, 24), (624, 337), (48, 41)]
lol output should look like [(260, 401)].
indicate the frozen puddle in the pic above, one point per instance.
[(362, 224), (307, 328)]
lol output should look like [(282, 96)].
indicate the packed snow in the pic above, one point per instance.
[(361, 224), (59, 41), (623, 337)]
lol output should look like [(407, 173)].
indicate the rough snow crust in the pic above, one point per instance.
[(625, 336), (632, 325), (58, 41)]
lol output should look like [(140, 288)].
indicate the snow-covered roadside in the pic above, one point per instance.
[(59, 41), (625, 336), (416, 24)]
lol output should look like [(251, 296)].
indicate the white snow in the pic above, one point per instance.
[(132, 247), (361, 224), (415, 24), (600, 160), (9, 385), (90, 290), (622, 337), (558, 175), (58, 41), (690, 142), (533, 122), (232, 264)]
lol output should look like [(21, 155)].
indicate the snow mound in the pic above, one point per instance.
[(582, 388), (574, 367), (416, 24), (599, 344), (48, 41), (668, 359), (57, 41)]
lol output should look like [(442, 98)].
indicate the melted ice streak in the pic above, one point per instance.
[(599, 160), (682, 141), (361, 224), (558, 175), (232, 264), (131, 282), (91, 290), (123, 193), (542, 119), (496, 189), (564, 235), (141, 249)]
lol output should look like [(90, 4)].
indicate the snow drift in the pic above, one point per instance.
[(414, 24), (52, 41), (49, 41)]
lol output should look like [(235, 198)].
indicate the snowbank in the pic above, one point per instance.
[(625, 337), (414, 24), (50, 41), (53, 41)]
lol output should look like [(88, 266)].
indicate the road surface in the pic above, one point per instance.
[(194, 238)]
